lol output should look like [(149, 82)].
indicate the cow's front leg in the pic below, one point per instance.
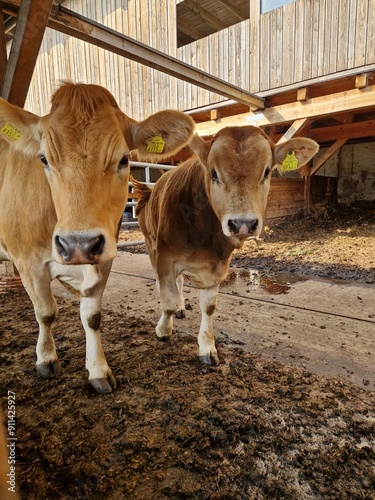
[(100, 375), (169, 300), (206, 339), (94, 281), (38, 288)]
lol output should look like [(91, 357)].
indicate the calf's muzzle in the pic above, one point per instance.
[(242, 226)]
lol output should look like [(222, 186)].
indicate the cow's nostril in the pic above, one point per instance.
[(97, 245), (62, 247), (233, 226), (252, 225)]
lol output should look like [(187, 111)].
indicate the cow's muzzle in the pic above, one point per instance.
[(243, 226), (79, 248)]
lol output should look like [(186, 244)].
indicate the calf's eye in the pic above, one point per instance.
[(43, 159), (214, 175)]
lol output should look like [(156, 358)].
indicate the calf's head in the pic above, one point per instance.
[(238, 163), (83, 144)]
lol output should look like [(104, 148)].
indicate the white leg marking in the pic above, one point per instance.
[(100, 374), (206, 338)]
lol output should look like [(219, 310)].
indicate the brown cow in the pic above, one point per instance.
[(63, 189), (198, 213)]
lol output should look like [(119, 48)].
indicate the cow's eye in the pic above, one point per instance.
[(267, 172), (214, 176), (124, 162), (43, 159)]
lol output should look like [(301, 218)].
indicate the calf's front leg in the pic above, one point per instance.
[(170, 300), (206, 338)]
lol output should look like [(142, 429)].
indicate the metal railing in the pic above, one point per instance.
[(133, 220)]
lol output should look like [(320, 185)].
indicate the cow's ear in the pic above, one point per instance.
[(304, 149), (162, 135), (200, 148), (20, 128)]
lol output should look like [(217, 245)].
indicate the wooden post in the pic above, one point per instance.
[(307, 179)]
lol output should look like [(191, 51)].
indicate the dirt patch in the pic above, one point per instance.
[(250, 428)]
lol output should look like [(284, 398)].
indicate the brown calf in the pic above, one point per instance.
[(198, 213)]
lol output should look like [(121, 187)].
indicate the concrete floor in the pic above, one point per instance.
[(324, 326)]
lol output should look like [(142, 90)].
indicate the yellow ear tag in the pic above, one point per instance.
[(12, 132), (155, 145), (290, 162)]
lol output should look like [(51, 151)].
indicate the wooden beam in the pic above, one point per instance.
[(361, 81), (233, 9), (189, 30), (31, 23), (205, 15), (302, 94), (331, 151), (296, 126), (358, 130), (313, 108), (3, 49)]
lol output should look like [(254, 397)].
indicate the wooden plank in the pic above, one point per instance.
[(352, 35), (265, 52), (330, 151), (370, 49), (335, 41), (296, 126), (362, 32), (31, 23), (254, 46), (319, 106), (343, 16), (289, 43), (3, 49), (300, 41)]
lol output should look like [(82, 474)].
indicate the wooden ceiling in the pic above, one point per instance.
[(199, 18)]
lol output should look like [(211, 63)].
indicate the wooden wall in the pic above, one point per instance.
[(304, 39)]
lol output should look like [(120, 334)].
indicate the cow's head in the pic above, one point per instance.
[(238, 163), (83, 144)]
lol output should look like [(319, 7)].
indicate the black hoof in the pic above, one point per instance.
[(162, 339), (49, 370), (180, 314), (209, 360), (102, 385)]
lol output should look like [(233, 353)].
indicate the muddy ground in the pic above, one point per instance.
[(250, 428)]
